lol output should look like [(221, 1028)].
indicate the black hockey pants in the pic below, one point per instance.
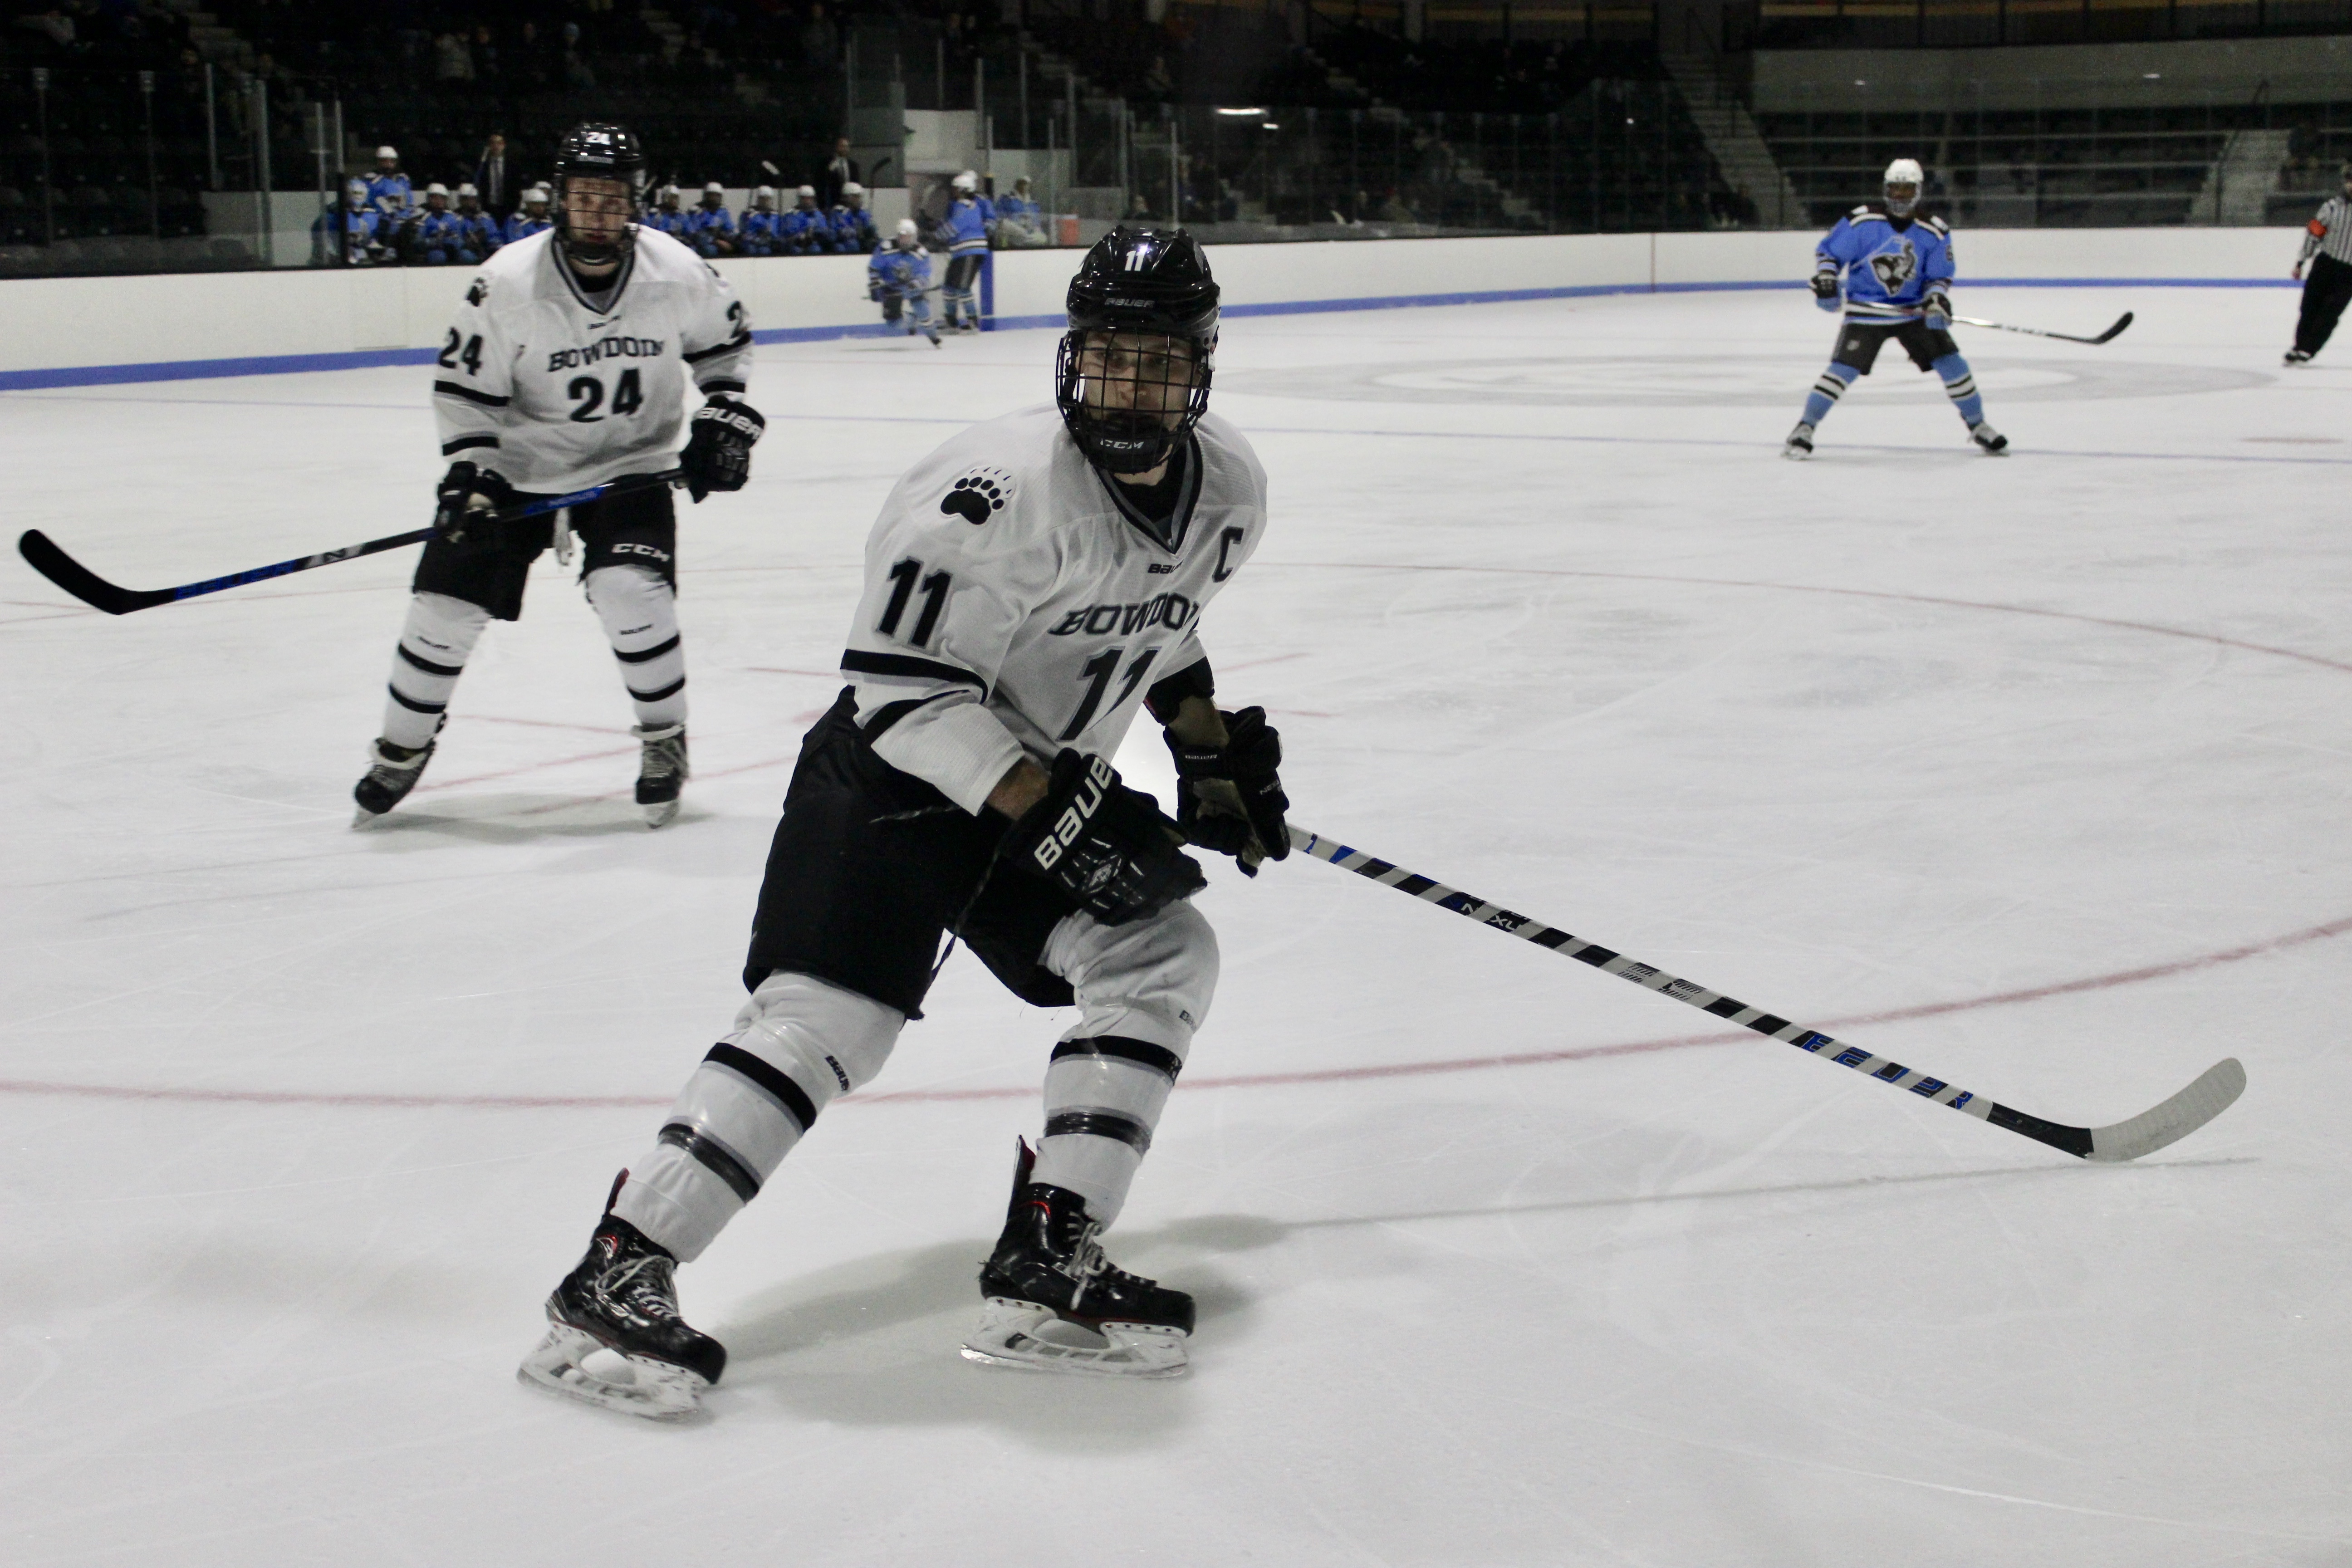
[(2325, 293)]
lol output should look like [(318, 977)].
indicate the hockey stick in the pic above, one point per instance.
[(43, 554), (2211, 1094), (2108, 336)]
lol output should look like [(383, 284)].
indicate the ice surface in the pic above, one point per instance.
[(2031, 772)]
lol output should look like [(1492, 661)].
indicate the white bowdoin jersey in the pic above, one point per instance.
[(1012, 608), (535, 383)]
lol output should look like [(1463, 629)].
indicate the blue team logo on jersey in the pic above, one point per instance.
[(1893, 268)]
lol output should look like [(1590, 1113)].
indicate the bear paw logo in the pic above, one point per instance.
[(978, 496)]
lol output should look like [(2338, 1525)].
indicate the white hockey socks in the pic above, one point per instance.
[(1143, 988), (797, 1044), (434, 644), (640, 615)]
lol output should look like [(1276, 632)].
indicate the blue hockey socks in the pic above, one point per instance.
[(1827, 390), (1960, 386)]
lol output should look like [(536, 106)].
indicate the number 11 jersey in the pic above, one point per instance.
[(1016, 604), (556, 387)]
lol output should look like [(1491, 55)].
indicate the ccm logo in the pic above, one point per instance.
[(630, 547), (1073, 821)]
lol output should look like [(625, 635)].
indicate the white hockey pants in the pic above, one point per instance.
[(1142, 990)]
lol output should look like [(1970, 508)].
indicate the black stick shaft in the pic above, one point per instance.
[(45, 556)]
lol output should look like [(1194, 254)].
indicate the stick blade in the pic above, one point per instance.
[(2214, 1091), (2116, 330), (42, 555)]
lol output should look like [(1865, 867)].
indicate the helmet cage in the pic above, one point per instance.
[(598, 153), (1129, 396), (1127, 390)]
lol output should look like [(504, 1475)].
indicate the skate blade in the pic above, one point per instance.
[(363, 816), (1796, 454), (578, 1365), (660, 813), (1025, 1335)]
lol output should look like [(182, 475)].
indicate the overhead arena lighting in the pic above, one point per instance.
[(1241, 112)]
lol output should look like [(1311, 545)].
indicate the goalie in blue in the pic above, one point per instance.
[(1896, 268)]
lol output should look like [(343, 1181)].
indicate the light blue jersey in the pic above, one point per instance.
[(521, 226), (1887, 263), (965, 227)]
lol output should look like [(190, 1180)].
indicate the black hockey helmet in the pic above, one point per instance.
[(595, 151), (1128, 404)]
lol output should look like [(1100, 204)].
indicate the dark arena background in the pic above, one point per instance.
[(2026, 769)]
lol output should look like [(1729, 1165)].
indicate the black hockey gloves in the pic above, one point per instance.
[(1107, 845), (465, 492), (1939, 309), (718, 453), (1825, 290), (1229, 798)]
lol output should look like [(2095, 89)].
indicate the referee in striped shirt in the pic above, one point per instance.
[(2328, 246)]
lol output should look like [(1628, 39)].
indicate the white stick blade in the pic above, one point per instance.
[(2216, 1090)]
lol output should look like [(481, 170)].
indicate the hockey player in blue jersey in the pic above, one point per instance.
[(964, 231), (1897, 272), (529, 219), (711, 227), (666, 218), (805, 230), (900, 276), (853, 226), (435, 235), (388, 191), (345, 236), (482, 236), (760, 232)]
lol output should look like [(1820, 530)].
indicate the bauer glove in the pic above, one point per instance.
[(1939, 311), (1229, 798), (718, 454), (1105, 844), (1826, 291), (465, 494)]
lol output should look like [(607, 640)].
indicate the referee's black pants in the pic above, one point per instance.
[(2325, 293)]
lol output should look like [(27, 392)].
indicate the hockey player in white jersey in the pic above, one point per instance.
[(1029, 587), (566, 367)]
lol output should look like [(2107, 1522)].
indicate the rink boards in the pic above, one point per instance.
[(94, 331)]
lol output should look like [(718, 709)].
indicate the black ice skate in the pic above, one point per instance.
[(1800, 445), (614, 1337), (661, 771), (1051, 1301), (392, 774), (1993, 442), (2298, 356)]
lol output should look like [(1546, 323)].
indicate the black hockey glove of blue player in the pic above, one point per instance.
[(1229, 798), (718, 453), (464, 493), (1826, 291), (1107, 846)]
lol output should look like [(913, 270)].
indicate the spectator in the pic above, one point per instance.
[(1139, 209), (389, 191), (820, 40), (530, 220), (853, 226), (494, 176), (481, 231), (806, 231), (761, 230), (453, 63), (710, 228), (1020, 221), (485, 55), (836, 175), (576, 71)]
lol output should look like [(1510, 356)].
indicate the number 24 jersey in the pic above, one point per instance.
[(1012, 608), (537, 383)]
